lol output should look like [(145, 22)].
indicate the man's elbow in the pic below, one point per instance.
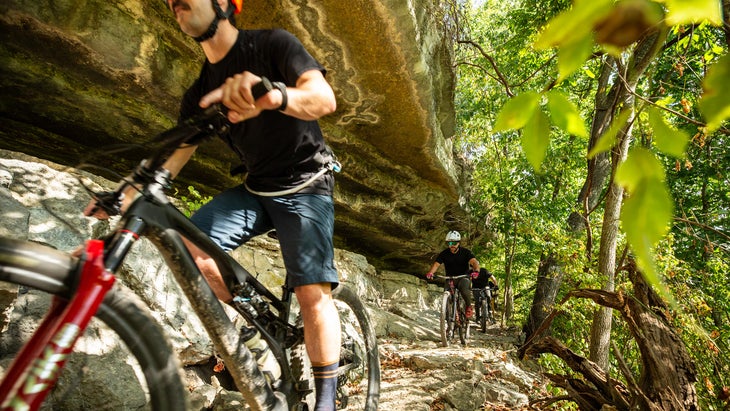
[(329, 103)]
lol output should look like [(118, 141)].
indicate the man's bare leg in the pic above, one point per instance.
[(321, 325), (209, 269), (322, 339)]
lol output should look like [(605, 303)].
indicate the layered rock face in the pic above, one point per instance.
[(79, 78)]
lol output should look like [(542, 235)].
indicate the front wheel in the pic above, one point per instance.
[(483, 314), (41, 271), (358, 382), (447, 319), (490, 311), (463, 322)]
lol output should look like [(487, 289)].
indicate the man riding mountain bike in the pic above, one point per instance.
[(457, 261), (483, 280), (274, 92)]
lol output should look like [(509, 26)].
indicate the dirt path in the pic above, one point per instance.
[(424, 376)]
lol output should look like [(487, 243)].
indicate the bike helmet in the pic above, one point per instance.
[(453, 236)]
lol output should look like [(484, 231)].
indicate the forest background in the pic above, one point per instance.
[(596, 136)]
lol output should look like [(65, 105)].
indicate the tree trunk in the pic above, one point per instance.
[(549, 278), (601, 326), (624, 86), (726, 19), (509, 296), (667, 376), (599, 167)]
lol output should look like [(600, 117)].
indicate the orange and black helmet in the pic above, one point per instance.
[(238, 4)]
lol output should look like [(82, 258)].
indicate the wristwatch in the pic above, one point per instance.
[(265, 85)]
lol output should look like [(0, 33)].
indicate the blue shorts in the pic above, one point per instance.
[(304, 224)]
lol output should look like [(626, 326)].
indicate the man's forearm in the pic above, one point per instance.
[(178, 159)]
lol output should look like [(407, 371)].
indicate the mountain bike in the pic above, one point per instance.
[(483, 303), (453, 313), (83, 286)]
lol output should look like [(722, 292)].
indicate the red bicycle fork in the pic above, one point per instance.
[(36, 368)]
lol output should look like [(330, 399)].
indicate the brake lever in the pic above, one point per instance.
[(109, 201)]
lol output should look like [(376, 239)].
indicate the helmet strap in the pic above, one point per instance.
[(219, 15)]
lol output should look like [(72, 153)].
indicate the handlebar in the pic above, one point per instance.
[(456, 277), (488, 287), (193, 131)]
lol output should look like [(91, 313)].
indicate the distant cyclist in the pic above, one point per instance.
[(457, 260), (483, 280)]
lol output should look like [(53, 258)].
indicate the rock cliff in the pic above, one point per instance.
[(80, 77)]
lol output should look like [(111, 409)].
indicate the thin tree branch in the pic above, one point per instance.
[(703, 226), (501, 78)]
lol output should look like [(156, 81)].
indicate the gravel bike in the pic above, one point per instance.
[(83, 287), (453, 313), (483, 303)]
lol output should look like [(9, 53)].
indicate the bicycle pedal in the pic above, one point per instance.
[(304, 386)]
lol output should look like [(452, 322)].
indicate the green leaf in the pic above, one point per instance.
[(535, 138), (693, 11), (640, 164), (668, 140), (571, 56), (715, 101), (645, 217), (516, 112), (608, 139), (565, 114), (646, 213), (647, 265), (573, 24)]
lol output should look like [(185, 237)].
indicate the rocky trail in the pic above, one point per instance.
[(485, 375)]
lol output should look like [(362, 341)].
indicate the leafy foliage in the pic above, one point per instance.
[(190, 204), (522, 125)]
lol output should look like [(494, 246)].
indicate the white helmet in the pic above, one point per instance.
[(453, 236)]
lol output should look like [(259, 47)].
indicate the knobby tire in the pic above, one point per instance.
[(463, 322), (447, 319), (53, 272), (484, 314), (360, 344)]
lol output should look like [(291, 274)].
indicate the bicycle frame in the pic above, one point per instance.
[(455, 297), (482, 293), (154, 217), (37, 366), (456, 318)]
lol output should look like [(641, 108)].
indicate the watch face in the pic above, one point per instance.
[(261, 88)]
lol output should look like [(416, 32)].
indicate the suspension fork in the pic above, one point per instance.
[(37, 366)]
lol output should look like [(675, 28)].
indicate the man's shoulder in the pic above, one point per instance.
[(268, 35)]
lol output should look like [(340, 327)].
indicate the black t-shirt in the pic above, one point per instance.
[(278, 151), (455, 264), (483, 279)]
